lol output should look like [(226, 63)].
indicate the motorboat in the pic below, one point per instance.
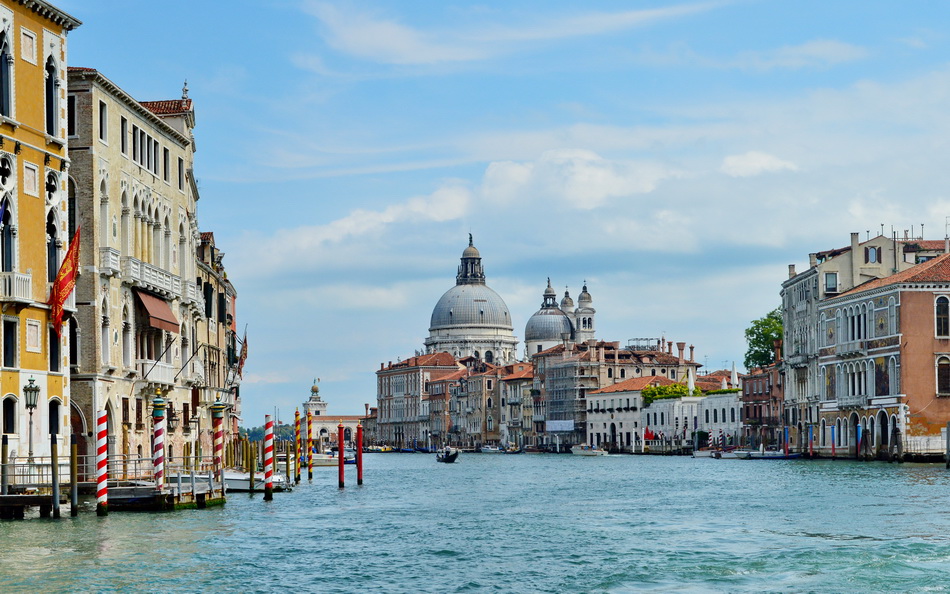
[(491, 450), (240, 481), (766, 455), (582, 449), (448, 455)]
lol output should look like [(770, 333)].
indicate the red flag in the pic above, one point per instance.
[(64, 284), (647, 434), (243, 357)]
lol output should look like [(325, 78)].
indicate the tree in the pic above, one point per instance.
[(761, 336)]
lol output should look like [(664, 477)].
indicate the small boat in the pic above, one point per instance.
[(491, 450), (240, 481), (766, 455), (716, 453), (514, 451), (582, 449), (448, 455)]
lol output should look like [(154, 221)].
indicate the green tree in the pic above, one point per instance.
[(760, 337)]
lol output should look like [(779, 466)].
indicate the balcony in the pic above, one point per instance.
[(852, 400), (109, 261), (153, 278), (161, 373), (851, 348), (16, 287)]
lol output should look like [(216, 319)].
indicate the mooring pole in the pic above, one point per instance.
[(73, 476), (217, 431), (102, 464), (252, 458), (359, 453), (4, 453), (948, 445), (340, 449), (268, 458), (297, 461), (309, 446), (158, 448), (54, 459)]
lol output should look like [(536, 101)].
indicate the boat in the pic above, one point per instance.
[(240, 481), (491, 450), (514, 451), (448, 455), (766, 455), (716, 453), (582, 449)]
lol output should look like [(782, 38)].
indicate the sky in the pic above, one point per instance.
[(676, 156)]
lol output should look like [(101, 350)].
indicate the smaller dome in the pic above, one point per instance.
[(471, 251), (548, 324), (567, 304), (584, 297), (315, 389), (549, 292)]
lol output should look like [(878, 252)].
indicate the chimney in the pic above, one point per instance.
[(691, 359), (367, 409), (856, 261), (662, 344), (812, 260), (669, 348), (946, 245), (682, 348), (791, 271), (778, 350)]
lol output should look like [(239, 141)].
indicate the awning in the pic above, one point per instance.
[(159, 314)]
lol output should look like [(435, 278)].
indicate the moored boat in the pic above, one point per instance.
[(240, 481), (582, 449), (491, 450), (766, 455)]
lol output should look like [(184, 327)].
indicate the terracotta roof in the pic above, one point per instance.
[(207, 236), (635, 383), (430, 360), (925, 245), (80, 69), (931, 271), (717, 374), (167, 106), (525, 374)]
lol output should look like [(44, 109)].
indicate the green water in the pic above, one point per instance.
[(528, 523)]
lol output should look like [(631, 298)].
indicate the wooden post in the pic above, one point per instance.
[(340, 450), (4, 454), (359, 453), (73, 476), (54, 472), (948, 446), (253, 465)]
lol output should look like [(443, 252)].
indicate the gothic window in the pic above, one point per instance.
[(52, 249), (623, 373), (54, 417), (942, 313), (50, 88), (6, 78), (54, 356), (6, 237), (943, 375), (489, 358), (73, 342), (610, 372)]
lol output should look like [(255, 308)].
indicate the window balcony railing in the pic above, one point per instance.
[(151, 277), (109, 261), (851, 348), (852, 400), (161, 373), (16, 287)]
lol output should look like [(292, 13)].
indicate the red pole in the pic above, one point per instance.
[(102, 464), (268, 458), (359, 453), (297, 448), (339, 451)]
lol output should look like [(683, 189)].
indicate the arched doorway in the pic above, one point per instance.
[(77, 424), (613, 435), (883, 440), (853, 439)]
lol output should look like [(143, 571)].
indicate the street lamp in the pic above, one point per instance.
[(31, 393)]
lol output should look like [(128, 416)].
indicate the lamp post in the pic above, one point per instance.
[(31, 393)]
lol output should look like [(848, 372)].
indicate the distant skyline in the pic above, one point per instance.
[(677, 156)]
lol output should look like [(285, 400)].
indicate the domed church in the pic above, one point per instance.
[(472, 320), (552, 323)]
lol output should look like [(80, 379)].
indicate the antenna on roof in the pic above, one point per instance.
[(921, 231), (184, 90), (869, 234)]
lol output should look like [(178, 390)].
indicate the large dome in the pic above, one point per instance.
[(470, 305), (548, 324)]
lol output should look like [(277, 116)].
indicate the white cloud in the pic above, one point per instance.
[(576, 178), (819, 53), (378, 39), (754, 163)]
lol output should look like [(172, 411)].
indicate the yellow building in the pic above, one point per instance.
[(36, 221)]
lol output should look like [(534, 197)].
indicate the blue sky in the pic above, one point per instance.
[(675, 155)]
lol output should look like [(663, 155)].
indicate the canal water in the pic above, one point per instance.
[(527, 523)]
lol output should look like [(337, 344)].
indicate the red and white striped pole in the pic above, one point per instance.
[(217, 432), (309, 445), (102, 464), (298, 459), (268, 458), (158, 446), (359, 453)]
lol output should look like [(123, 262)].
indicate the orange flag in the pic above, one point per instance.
[(65, 283)]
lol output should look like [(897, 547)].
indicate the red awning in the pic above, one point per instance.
[(159, 314)]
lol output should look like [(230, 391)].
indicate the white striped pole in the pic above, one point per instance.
[(268, 458), (158, 447), (217, 429), (102, 464)]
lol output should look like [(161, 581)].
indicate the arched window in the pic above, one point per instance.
[(54, 417), (943, 375), (707, 415), (6, 77), (732, 415), (52, 249), (489, 357), (623, 373), (6, 238), (127, 339), (610, 372), (55, 359), (71, 220), (52, 82), (821, 433), (715, 415), (104, 334), (475, 354), (9, 415), (942, 314)]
